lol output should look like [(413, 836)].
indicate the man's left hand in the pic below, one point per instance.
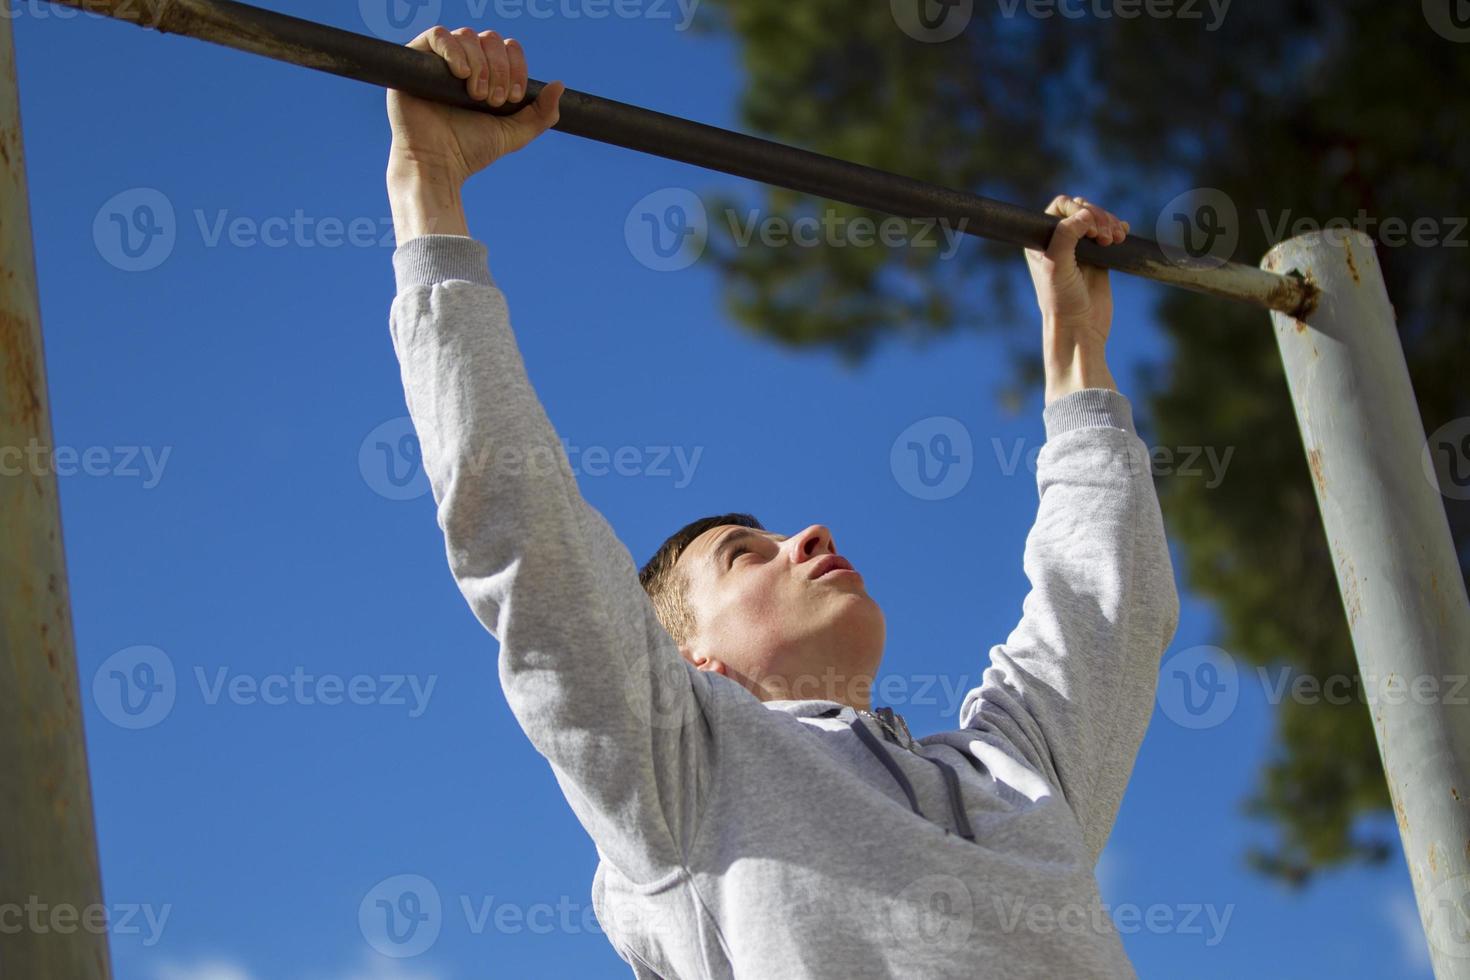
[(1076, 300)]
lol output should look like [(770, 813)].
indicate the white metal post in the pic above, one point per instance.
[(1401, 584)]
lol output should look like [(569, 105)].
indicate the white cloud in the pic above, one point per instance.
[(203, 970), (372, 967)]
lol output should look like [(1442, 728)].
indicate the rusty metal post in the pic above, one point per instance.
[(50, 889), (1396, 564)]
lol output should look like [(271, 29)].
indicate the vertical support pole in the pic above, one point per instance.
[(50, 889), (1396, 564)]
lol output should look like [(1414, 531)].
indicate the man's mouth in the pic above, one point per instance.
[(832, 565)]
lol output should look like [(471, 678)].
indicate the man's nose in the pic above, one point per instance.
[(813, 542)]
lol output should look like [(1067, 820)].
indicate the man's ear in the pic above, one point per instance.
[(701, 662)]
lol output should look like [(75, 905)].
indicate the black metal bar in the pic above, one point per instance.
[(383, 63)]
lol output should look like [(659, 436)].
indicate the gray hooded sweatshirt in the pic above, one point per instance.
[(789, 839)]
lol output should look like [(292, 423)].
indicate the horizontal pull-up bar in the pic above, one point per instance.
[(368, 59)]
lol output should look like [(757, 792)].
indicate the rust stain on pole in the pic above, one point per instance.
[(48, 847), (1397, 570)]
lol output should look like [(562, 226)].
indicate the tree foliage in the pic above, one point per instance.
[(1300, 113)]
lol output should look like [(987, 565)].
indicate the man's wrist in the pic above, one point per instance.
[(1075, 367), (425, 200)]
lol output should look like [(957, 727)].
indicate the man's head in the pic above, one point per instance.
[(774, 612)]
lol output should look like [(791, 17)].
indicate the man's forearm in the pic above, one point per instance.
[(424, 203)]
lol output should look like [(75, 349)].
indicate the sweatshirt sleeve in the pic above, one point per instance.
[(1072, 687), (593, 678)]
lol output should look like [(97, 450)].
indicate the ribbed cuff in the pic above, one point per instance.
[(431, 259), (1088, 407)]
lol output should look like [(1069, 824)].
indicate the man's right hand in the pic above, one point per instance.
[(442, 143)]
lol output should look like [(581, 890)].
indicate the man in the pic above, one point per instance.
[(709, 720)]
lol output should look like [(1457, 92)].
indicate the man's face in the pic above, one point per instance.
[(780, 614)]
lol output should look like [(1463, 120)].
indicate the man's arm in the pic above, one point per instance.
[(590, 674), (1072, 687)]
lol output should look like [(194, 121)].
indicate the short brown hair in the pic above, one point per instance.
[(668, 587)]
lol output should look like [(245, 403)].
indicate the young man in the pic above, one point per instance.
[(712, 731)]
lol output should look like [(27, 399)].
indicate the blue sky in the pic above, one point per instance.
[(334, 720)]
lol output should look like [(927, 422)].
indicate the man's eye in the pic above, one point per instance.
[(737, 553)]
